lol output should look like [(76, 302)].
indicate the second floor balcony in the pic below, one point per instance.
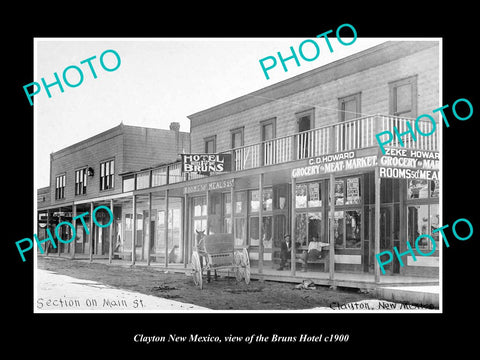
[(329, 139)]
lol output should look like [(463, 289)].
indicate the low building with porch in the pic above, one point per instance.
[(87, 174)]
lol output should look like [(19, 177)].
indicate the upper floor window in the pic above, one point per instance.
[(210, 145), (403, 97), (107, 171), (349, 107), (81, 182), (60, 187), (237, 137), (268, 129), (305, 120)]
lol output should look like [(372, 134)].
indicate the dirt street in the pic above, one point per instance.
[(223, 294)]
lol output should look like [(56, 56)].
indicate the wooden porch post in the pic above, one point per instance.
[(377, 222), (260, 224), (331, 259), (292, 230), (48, 227), (186, 243), (59, 244), (232, 224), (74, 223), (91, 238), (149, 226), (134, 227), (111, 229), (165, 220)]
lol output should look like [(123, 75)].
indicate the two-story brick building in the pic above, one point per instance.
[(89, 173), (305, 162)]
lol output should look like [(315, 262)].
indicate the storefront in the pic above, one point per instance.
[(297, 198)]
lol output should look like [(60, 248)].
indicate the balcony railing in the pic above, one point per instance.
[(345, 136)]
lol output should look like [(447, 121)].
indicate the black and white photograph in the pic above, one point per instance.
[(275, 200), (246, 190)]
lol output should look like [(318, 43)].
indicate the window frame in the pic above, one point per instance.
[(239, 130), (393, 85), (81, 189), (60, 189), (263, 123), (358, 106), (107, 178), (206, 140), (301, 114)]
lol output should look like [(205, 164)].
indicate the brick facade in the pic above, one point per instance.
[(130, 147)]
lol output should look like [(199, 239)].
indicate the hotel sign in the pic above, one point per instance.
[(205, 164)]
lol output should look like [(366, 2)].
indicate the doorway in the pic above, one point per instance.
[(304, 141), (389, 236)]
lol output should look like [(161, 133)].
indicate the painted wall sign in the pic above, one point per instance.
[(333, 163), (215, 185), (409, 164)]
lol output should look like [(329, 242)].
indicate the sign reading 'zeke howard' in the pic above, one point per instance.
[(206, 163)]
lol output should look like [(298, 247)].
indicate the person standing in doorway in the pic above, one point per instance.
[(285, 249)]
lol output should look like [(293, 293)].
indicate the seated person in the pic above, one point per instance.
[(314, 251)]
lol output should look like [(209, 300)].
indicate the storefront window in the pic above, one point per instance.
[(338, 230), (417, 189), (353, 229), (200, 206), (240, 202), (254, 201), (240, 225), (347, 191), (279, 229), (434, 221), (301, 196), (200, 225), (254, 238), (267, 199), (434, 188), (315, 227), (421, 220), (240, 210), (267, 233), (353, 191), (214, 203), (175, 244), (347, 229), (267, 202), (227, 205), (301, 226), (160, 233), (280, 196), (314, 195)]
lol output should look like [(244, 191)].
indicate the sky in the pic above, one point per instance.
[(159, 80)]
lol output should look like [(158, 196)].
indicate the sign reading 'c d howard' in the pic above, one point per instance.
[(206, 163)]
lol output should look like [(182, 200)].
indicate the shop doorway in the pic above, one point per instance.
[(388, 236)]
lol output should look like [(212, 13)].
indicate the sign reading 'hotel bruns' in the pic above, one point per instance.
[(204, 164)]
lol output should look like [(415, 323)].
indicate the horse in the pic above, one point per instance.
[(200, 240)]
